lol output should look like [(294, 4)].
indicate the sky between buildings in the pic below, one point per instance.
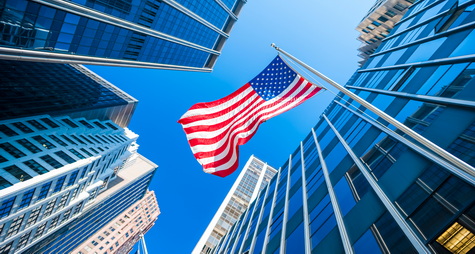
[(320, 33)]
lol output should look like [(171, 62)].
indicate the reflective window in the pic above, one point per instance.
[(367, 244)]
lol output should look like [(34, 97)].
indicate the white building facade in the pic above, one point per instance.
[(253, 178), (51, 170)]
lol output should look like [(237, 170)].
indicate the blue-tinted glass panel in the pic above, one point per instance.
[(367, 244), (345, 197)]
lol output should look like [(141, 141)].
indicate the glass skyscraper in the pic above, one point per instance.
[(35, 88), (357, 185), (168, 34)]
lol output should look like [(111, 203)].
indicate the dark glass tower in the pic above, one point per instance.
[(356, 185), (169, 34), (30, 88)]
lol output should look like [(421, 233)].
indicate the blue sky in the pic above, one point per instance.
[(320, 33)]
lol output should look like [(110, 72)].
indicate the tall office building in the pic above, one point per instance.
[(52, 169), (130, 186), (357, 185), (378, 23), (168, 34), (121, 234), (255, 175), (30, 88)]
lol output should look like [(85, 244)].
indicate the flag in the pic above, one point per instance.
[(215, 129)]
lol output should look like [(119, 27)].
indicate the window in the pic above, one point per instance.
[(28, 145), (26, 199), (45, 143), (18, 173), (376, 23), (383, 19), (111, 126), (6, 207), (37, 125), (2, 159), (72, 178), (49, 122), (15, 226), (54, 222), (13, 151), (4, 183), (400, 7), (65, 157), (78, 140), (70, 123), (35, 166), (23, 127), (7, 131), (85, 123), (40, 230), (66, 216), (69, 140), (80, 156), (94, 150), (49, 207), (99, 125), (390, 13), (63, 200), (86, 151), (57, 140), (51, 161), (44, 191), (78, 208), (59, 184), (87, 140), (6, 248), (23, 240), (33, 216), (457, 239)]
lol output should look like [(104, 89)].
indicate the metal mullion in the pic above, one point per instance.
[(308, 248), (243, 220), (419, 97), (411, 235), (271, 213), (112, 20), (454, 170), (336, 208), (195, 16), (246, 233), (251, 249), (286, 208)]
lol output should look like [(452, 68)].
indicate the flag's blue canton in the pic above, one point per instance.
[(274, 79)]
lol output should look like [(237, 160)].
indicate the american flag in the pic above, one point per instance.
[(215, 129)]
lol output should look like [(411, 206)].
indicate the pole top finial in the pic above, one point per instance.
[(274, 46)]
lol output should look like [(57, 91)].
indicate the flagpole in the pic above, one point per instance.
[(431, 146)]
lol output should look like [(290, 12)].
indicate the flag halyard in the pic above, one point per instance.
[(216, 129)]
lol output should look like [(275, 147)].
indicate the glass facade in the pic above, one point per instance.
[(171, 34), (35, 88), (355, 183)]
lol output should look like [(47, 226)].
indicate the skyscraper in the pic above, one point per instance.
[(128, 226), (128, 187), (253, 178), (357, 185), (30, 88), (170, 34), (52, 169), (378, 23)]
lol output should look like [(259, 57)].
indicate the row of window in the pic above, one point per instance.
[(45, 123)]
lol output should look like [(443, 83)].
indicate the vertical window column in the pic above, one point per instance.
[(417, 243)]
